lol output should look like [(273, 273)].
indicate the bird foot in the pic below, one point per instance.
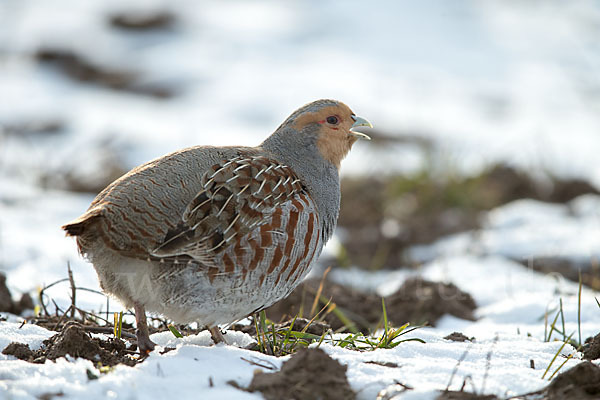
[(145, 345), (217, 335)]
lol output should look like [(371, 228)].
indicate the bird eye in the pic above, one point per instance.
[(333, 120)]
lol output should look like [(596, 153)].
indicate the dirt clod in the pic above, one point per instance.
[(142, 21), (580, 382), (591, 348), (6, 302), (383, 364), (25, 303), (308, 374), (78, 68), (361, 308), (50, 395), (570, 268), (73, 340), (19, 350), (417, 301), (459, 337), (314, 328), (41, 127), (452, 395)]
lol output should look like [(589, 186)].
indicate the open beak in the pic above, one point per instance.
[(360, 121)]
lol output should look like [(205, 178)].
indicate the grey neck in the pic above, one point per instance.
[(299, 151)]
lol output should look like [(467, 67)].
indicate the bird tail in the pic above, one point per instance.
[(78, 226)]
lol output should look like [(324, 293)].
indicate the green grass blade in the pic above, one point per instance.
[(286, 339), (261, 346), (120, 324), (556, 355), (174, 331), (552, 326), (406, 340), (321, 340), (385, 319), (305, 336), (273, 339), (560, 366), (343, 343), (562, 319)]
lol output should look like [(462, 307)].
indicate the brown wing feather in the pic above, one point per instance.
[(236, 197)]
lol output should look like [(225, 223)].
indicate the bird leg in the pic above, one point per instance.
[(216, 335), (145, 345)]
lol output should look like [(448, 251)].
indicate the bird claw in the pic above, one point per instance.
[(145, 345)]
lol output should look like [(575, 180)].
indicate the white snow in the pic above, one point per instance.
[(487, 81)]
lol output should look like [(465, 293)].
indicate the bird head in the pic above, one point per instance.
[(331, 123)]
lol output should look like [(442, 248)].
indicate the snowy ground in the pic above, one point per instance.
[(512, 301), (510, 329), (487, 81)]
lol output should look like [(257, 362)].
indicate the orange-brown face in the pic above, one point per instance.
[(335, 137)]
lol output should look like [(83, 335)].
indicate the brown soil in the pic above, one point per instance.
[(315, 328), (386, 364), (459, 337), (591, 348), (80, 69), (90, 324), (308, 374), (417, 301), (451, 395), (568, 268), (580, 382), (33, 128), (19, 350), (6, 302), (363, 309), (142, 21), (73, 340)]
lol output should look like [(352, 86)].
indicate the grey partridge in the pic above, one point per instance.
[(214, 234)]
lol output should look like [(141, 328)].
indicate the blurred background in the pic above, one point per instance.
[(475, 104)]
